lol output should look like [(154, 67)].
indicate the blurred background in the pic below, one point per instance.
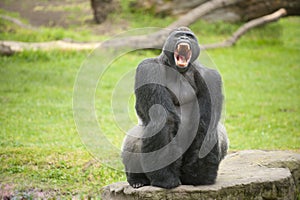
[(41, 152)]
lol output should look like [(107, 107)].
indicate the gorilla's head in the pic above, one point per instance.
[(181, 48)]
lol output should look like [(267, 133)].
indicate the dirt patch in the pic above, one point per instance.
[(6, 191), (50, 13), (62, 13)]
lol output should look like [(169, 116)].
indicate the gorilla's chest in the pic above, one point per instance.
[(181, 87)]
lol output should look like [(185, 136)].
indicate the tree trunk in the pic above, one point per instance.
[(101, 9), (244, 10)]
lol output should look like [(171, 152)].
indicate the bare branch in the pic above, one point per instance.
[(246, 27)]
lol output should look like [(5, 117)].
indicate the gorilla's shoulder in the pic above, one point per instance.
[(208, 73), (149, 61), (149, 66), (149, 71)]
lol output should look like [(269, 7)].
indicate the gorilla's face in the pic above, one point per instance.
[(182, 52), (182, 48)]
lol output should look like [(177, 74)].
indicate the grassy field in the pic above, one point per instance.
[(41, 152)]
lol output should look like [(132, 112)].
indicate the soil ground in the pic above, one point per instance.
[(61, 13), (54, 13)]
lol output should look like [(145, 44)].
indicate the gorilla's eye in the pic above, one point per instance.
[(182, 54), (190, 35)]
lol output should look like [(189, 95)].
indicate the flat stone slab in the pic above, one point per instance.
[(251, 174)]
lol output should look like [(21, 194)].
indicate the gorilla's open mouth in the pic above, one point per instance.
[(182, 54)]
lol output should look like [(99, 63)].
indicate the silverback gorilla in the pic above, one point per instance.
[(179, 139)]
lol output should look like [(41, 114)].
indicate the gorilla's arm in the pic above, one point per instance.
[(150, 91), (209, 84)]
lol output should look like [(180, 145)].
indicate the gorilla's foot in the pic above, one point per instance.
[(199, 179), (167, 183), (137, 185), (137, 180)]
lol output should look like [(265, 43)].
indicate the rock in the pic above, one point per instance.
[(251, 174)]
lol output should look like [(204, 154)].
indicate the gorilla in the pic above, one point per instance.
[(179, 138)]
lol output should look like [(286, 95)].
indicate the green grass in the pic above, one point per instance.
[(39, 144), (262, 83), (41, 151)]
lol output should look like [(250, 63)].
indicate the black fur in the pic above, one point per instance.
[(189, 168)]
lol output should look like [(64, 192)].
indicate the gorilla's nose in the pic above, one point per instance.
[(183, 37)]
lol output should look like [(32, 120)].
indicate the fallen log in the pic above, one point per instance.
[(10, 47), (154, 40), (242, 11)]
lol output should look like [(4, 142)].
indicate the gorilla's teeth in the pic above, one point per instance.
[(182, 54), (183, 45)]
